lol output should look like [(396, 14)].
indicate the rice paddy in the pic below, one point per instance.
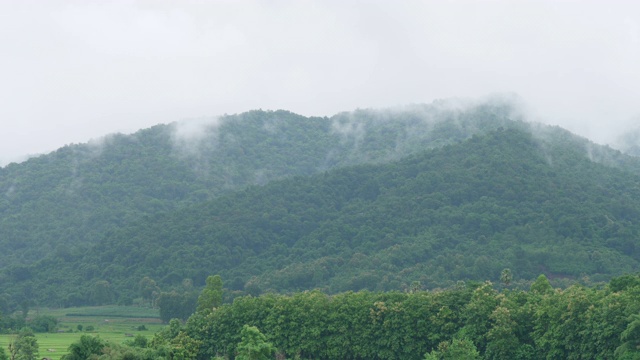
[(115, 324)]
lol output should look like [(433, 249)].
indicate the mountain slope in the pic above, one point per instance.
[(463, 211), (70, 198)]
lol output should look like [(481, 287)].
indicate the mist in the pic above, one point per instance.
[(73, 71)]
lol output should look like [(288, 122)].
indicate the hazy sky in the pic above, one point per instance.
[(75, 70)]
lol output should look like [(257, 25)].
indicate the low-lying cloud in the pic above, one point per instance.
[(78, 70)]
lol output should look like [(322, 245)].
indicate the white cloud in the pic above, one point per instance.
[(75, 70)]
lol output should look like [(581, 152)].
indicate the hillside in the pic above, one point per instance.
[(56, 203), (464, 211)]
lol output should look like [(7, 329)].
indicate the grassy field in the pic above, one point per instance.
[(115, 324)]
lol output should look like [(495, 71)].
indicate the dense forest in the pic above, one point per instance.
[(277, 202), (415, 233), (471, 320), (464, 211), (71, 197)]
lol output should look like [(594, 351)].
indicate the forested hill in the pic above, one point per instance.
[(506, 199), (52, 203)]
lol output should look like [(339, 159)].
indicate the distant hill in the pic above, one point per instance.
[(522, 197), (55, 202)]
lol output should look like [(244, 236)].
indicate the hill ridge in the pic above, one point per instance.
[(462, 211)]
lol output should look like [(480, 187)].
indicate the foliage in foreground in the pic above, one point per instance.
[(471, 321), (25, 347)]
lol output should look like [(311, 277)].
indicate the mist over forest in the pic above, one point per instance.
[(58, 209), (434, 198), (319, 179)]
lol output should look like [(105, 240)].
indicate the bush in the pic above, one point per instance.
[(85, 348), (43, 323)]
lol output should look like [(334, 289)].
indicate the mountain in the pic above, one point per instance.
[(59, 202), (523, 197)]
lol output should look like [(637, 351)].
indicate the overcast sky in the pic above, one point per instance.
[(71, 71)]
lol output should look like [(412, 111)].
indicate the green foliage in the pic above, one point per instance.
[(506, 277), (470, 321), (541, 286), (89, 347), (211, 297), (254, 345), (457, 349), (624, 282), (273, 201), (12, 323), (349, 325), (436, 218), (630, 337), (148, 289), (25, 347), (85, 348), (502, 341), (102, 293), (168, 333), (176, 305), (139, 341), (63, 211), (43, 323)]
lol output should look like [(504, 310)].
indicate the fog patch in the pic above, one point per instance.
[(271, 126), (83, 154), (191, 136), (9, 193), (194, 141), (5, 161), (604, 154), (349, 127), (556, 143), (76, 180), (95, 147), (381, 135), (628, 140), (261, 177)]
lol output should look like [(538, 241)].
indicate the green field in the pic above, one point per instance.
[(115, 324)]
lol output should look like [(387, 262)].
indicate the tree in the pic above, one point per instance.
[(541, 286), (102, 293), (254, 345), (502, 341), (624, 282), (85, 348), (184, 347), (476, 314), (630, 337), (506, 277), (25, 347), (211, 296), (175, 305), (167, 334), (139, 341), (148, 287), (44, 323), (458, 349), (415, 287), (24, 306)]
